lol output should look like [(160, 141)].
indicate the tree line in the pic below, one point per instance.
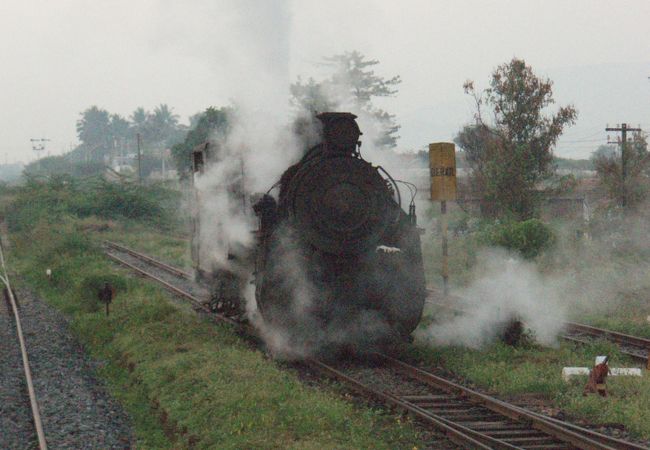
[(508, 144)]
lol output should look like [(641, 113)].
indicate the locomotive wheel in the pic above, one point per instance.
[(224, 295)]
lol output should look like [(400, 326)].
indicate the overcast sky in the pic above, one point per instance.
[(60, 57)]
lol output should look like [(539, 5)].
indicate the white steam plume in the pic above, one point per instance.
[(255, 75), (260, 146), (505, 287)]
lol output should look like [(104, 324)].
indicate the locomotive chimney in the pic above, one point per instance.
[(340, 132)]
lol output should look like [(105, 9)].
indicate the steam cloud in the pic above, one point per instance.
[(504, 288), (257, 150)]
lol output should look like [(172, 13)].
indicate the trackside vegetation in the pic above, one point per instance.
[(49, 199), (607, 264), (189, 384), (185, 382), (533, 374)]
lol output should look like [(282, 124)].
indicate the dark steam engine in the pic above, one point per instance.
[(338, 260)]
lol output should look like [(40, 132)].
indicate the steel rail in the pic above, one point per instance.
[(567, 432), (456, 432), (452, 432), (614, 335), (640, 344), (181, 293), (36, 414), (637, 356), (161, 265)]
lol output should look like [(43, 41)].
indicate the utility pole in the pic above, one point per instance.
[(38, 145), (624, 157), (139, 161)]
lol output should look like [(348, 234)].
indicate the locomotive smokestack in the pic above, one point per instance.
[(340, 132)]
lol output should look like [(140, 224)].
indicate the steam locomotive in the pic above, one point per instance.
[(334, 259)]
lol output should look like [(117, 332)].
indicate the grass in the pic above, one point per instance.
[(185, 382), (512, 372), (628, 312), (508, 371), (190, 384), (171, 248)]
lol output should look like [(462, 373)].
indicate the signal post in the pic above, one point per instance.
[(442, 171)]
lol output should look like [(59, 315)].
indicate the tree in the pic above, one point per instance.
[(119, 128), (158, 129), (352, 85), (139, 120), (512, 154), (163, 124), (213, 123), (93, 130), (628, 191)]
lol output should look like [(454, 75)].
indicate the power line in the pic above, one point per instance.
[(578, 141), (587, 136)]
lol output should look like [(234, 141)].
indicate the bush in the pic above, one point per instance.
[(91, 284), (529, 237), (59, 196)]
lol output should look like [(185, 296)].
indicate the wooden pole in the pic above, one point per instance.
[(445, 248), (624, 158), (139, 161), (624, 161), (442, 167)]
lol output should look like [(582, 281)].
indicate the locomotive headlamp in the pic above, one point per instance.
[(340, 130)]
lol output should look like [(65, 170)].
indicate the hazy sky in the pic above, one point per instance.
[(60, 57)]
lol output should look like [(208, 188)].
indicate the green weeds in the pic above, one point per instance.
[(185, 382), (511, 372)]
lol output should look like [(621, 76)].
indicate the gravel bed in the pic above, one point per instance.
[(76, 410), (16, 426), (180, 282), (431, 438), (387, 380)]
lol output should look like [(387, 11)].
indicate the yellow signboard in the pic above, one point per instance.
[(442, 169)]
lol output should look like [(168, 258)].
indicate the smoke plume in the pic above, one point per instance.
[(259, 147), (505, 288)]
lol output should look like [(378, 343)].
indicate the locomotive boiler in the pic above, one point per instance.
[(335, 259)]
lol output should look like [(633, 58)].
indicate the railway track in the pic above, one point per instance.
[(177, 281), (36, 415), (635, 347), (466, 417), (632, 346)]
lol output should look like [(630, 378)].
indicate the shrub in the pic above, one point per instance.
[(62, 195), (91, 284), (529, 237)]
